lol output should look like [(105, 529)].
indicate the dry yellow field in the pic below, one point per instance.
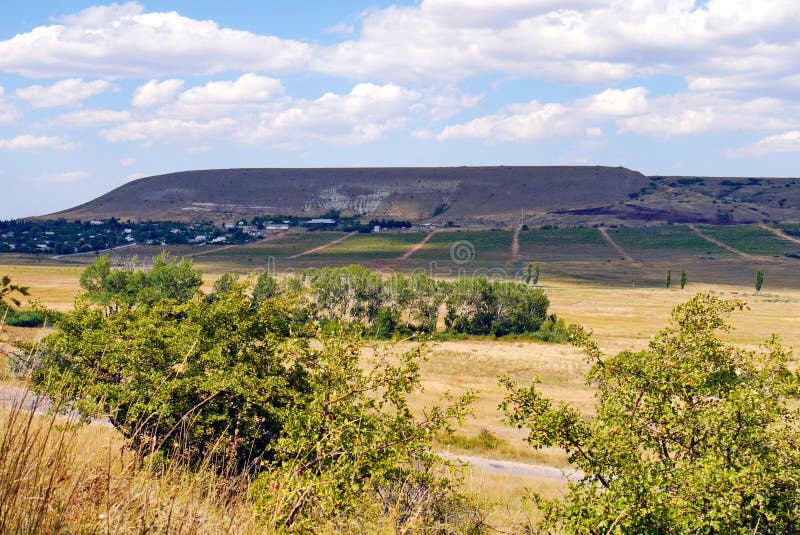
[(620, 318)]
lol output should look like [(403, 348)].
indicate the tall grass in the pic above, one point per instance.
[(59, 476)]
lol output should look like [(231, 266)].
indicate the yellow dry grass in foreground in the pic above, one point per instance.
[(58, 477)]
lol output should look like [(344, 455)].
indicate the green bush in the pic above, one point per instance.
[(691, 435)]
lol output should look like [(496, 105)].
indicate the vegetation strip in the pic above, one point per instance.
[(781, 234), (321, 247), (628, 258), (725, 246), (418, 246)]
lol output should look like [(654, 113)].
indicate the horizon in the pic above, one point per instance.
[(89, 100)]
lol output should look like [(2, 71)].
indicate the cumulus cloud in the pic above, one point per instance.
[(363, 115), (27, 142), (169, 130), (155, 93), (248, 88), (788, 142), (690, 113), (8, 112), (125, 41), (92, 118), (536, 120), (709, 43), (127, 162), (63, 93)]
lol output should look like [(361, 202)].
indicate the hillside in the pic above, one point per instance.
[(470, 196)]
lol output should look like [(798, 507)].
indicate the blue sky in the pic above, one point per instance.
[(94, 95)]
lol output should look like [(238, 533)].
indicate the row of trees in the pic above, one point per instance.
[(353, 294), (759, 281)]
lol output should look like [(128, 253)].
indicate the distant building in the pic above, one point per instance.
[(376, 228), (221, 239), (321, 222), (275, 226), (95, 222)]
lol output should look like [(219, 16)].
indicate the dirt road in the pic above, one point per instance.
[(622, 252), (515, 245), (418, 246), (321, 247), (531, 471), (781, 234), (718, 243)]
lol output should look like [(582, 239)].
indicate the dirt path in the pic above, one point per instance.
[(531, 471), (226, 247), (781, 234), (725, 246), (60, 256), (515, 245), (623, 253), (419, 246), (321, 247)]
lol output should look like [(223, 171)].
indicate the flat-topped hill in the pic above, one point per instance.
[(465, 195)]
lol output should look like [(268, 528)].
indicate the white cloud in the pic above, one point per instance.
[(247, 89), (91, 118), (127, 162), (155, 93), (8, 112), (693, 113), (788, 142), (712, 44), (125, 41), (66, 177), (443, 105), (363, 115), (28, 142), (617, 102), (169, 130), (536, 120), (63, 93), (515, 123)]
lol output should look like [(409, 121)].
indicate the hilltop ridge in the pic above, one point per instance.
[(469, 196)]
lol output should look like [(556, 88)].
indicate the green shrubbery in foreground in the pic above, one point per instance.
[(691, 435), (237, 412)]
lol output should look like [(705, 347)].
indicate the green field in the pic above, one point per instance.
[(674, 241), (749, 239)]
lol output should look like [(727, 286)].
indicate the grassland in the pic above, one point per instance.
[(587, 283)]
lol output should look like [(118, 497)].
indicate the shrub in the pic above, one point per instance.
[(691, 435)]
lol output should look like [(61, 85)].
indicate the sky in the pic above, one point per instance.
[(95, 95)]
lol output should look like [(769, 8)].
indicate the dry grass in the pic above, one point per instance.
[(59, 477), (622, 316)]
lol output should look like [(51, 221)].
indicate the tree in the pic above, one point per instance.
[(531, 273), (759, 279), (683, 279), (9, 290), (352, 434), (668, 280), (211, 376), (691, 435)]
